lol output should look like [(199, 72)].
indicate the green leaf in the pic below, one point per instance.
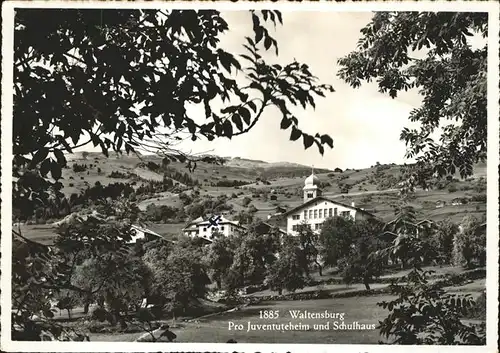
[(308, 140), (256, 22), (259, 34), (228, 129), (285, 123), (45, 167), (252, 106), (39, 156), (236, 119), (295, 134), (328, 140), (280, 18), (268, 42), (55, 170), (245, 114)]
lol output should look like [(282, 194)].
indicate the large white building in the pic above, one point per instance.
[(317, 208), (203, 228)]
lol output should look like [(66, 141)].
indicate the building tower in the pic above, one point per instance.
[(311, 187)]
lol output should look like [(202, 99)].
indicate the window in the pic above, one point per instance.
[(330, 212), (318, 226), (315, 214), (320, 213), (310, 195), (222, 228), (294, 227), (305, 214), (335, 212), (324, 212), (296, 217), (345, 213), (310, 214), (204, 229)]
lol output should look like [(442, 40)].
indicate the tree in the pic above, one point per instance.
[(41, 273), (219, 259), (423, 313), (287, 272), (309, 243), (124, 79), (442, 239), (335, 238), (181, 279), (403, 51), (246, 201), (67, 300), (469, 244), (359, 261)]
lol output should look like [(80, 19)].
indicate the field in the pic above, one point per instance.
[(363, 310), (215, 329), (269, 185)]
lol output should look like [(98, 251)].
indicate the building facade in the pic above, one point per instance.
[(141, 233), (205, 229), (317, 208)]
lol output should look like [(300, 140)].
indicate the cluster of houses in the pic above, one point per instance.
[(314, 210)]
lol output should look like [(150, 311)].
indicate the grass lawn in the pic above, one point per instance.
[(215, 329), (361, 309)]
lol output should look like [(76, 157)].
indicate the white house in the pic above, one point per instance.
[(205, 229), (316, 208), (142, 233)]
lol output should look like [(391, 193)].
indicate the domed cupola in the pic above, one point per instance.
[(311, 187), (312, 180)]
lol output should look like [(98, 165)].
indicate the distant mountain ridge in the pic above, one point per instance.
[(239, 162)]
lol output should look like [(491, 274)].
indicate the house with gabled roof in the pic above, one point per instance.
[(141, 233), (206, 228), (317, 208), (416, 228)]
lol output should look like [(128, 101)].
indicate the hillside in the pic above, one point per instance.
[(245, 183)]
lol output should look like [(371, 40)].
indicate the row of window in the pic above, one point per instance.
[(317, 226), (321, 213), (214, 229)]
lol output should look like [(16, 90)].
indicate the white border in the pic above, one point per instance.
[(492, 177)]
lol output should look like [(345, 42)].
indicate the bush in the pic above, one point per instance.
[(478, 311), (452, 188), (479, 198), (77, 168)]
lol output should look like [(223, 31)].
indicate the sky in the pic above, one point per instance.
[(365, 125)]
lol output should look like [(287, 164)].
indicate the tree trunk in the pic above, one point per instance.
[(86, 307), (69, 313), (366, 282), (320, 268)]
